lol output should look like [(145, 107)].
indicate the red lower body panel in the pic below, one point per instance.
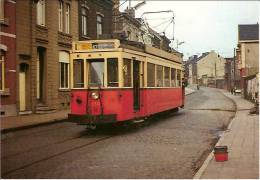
[(120, 102)]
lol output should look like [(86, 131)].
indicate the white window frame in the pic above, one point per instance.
[(67, 19), (41, 12), (64, 59), (99, 24), (84, 21), (2, 10), (2, 71), (60, 16)]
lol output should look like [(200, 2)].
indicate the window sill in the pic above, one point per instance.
[(6, 92), (42, 27), (84, 37), (64, 34), (4, 22), (64, 90)]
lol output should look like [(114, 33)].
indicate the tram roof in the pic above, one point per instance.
[(115, 45)]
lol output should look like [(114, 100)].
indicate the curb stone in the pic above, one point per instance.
[(12, 129)]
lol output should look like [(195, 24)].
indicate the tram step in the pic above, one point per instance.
[(138, 121), (42, 109)]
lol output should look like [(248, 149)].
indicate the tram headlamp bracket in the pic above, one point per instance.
[(94, 95)]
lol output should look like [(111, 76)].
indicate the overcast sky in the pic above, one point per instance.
[(202, 25)]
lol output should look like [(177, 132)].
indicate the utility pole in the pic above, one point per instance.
[(129, 4), (234, 83), (215, 74)]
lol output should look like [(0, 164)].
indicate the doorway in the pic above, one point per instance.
[(22, 86), (136, 84), (40, 73)]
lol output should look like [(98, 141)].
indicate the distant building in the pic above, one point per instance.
[(211, 70), (248, 59), (127, 27), (232, 76), (8, 70), (191, 69)]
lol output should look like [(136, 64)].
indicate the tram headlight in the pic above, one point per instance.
[(94, 95)]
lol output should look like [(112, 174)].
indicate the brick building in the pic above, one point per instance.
[(45, 31), (95, 19), (7, 57)]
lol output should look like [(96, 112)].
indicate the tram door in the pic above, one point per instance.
[(136, 84)]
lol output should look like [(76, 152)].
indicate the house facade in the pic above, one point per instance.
[(211, 70), (8, 70), (248, 59), (191, 69), (45, 31)]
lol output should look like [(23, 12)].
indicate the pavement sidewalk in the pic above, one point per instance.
[(188, 91), (242, 139), (25, 121)]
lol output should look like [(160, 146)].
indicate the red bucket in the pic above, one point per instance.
[(220, 157), (220, 153)]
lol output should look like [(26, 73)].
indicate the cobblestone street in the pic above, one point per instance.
[(172, 146)]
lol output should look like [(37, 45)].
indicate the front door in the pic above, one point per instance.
[(22, 91), (136, 84)]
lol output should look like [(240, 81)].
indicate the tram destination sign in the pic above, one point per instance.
[(95, 45)]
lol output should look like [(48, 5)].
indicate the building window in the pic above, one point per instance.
[(67, 19), (78, 73), (2, 68), (166, 76), (112, 72), (159, 75), (99, 25), (150, 75), (2, 10), (41, 12), (60, 16), (84, 21), (173, 77), (64, 69), (127, 73)]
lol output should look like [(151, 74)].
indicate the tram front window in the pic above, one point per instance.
[(96, 73)]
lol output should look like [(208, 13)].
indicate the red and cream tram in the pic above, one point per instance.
[(114, 82)]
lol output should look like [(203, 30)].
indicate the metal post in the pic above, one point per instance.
[(234, 67)]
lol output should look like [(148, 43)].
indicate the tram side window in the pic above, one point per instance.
[(166, 76), (112, 72), (178, 77), (96, 72), (173, 77), (127, 72), (78, 73), (150, 75), (159, 71)]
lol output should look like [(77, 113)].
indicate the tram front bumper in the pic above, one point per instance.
[(90, 119)]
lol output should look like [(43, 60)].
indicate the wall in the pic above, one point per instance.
[(8, 39), (212, 65)]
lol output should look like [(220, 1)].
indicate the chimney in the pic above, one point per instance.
[(130, 12), (116, 7)]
